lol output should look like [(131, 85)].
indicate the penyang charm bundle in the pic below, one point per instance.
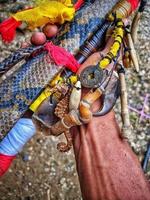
[(57, 103)]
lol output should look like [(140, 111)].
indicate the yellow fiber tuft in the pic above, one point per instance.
[(46, 11)]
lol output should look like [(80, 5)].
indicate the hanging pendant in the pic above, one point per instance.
[(91, 76), (75, 96), (110, 96)]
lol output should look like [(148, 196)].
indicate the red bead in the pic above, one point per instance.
[(50, 30), (38, 38)]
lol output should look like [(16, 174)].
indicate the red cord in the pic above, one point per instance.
[(78, 4), (5, 162), (62, 57), (134, 4), (8, 29)]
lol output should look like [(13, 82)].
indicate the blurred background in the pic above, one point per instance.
[(40, 172)]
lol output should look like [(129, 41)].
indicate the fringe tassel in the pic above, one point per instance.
[(61, 57), (78, 4), (134, 4), (8, 29)]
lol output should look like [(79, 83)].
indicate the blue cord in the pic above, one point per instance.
[(17, 137)]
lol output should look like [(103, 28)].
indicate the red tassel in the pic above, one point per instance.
[(134, 4), (8, 29), (61, 57), (5, 162), (78, 4)]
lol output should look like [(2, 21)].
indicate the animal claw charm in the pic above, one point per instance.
[(91, 76), (111, 95), (75, 97)]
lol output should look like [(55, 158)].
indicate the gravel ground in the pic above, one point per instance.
[(40, 172)]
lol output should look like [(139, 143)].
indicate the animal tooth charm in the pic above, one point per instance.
[(132, 51), (136, 20), (134, 27), (75, 97), (126, 129)]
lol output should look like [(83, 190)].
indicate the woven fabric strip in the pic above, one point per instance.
[(16, 57), (23, 86)]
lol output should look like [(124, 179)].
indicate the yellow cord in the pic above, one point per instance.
[(47, 91), (119, 32)]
